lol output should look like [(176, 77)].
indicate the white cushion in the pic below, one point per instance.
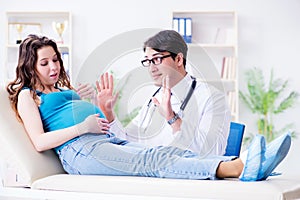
[(21, 163), (281, 187)]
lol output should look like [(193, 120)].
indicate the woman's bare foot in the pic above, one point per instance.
[(230, 169)]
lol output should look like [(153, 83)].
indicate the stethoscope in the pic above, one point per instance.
[(182, 106)]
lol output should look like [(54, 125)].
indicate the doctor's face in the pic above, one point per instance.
[(160, 65)]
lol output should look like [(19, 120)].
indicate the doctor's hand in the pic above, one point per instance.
[(105, 97), (165, 107)]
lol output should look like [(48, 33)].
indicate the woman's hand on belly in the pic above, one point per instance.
[(93, 124)]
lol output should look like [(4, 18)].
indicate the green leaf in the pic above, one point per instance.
[(130, 116), (266, 100), (287, 102)]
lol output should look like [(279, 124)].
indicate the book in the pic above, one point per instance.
[(188, 30), (183, 25), (228, 69), (176, 24), (65, 58)]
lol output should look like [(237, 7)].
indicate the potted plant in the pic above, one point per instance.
[(267, 100), (125, 119)]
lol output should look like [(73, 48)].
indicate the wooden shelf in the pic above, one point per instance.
[(40, 23), (216, 33)]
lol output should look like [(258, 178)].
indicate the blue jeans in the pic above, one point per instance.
[(108, 155)]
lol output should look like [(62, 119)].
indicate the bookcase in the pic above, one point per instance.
[(54, 25), (213, 52)]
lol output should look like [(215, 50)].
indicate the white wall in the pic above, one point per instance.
[(269, 35)]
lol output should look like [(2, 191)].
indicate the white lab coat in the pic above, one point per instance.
[(205, 123)]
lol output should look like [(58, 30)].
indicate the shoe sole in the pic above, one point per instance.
[(281, 153), (257, 153)]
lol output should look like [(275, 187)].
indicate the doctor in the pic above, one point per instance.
[(184, 111)]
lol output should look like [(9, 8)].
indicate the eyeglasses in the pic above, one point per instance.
[(155, 60)]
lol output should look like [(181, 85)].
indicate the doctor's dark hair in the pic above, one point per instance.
[(170, 41)]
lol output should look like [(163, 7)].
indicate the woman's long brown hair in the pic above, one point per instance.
[(26, 72)]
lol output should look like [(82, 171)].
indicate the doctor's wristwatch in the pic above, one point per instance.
[(176, 116)]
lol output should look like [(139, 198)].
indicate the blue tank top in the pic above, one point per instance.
[(64, 109)]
